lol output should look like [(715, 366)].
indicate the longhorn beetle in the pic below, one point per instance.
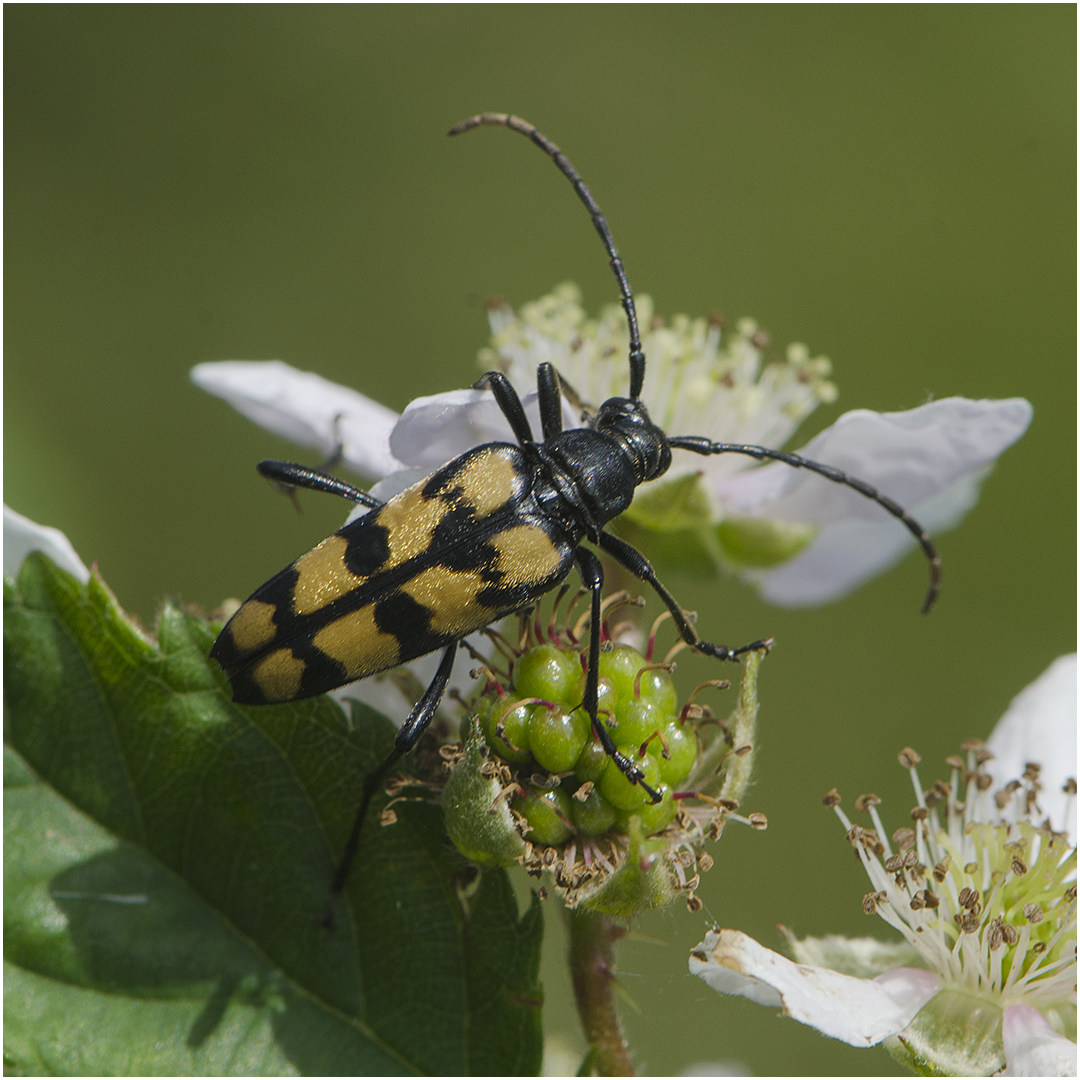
[(484, 536)]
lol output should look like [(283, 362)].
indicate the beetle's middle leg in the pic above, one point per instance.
[(639, 566)]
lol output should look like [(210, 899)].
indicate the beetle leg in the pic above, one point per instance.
[(282, 472), (638, 565), (406, 739), (508, 401), (549, 389), (592, 577)]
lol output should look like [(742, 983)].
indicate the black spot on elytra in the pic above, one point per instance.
[(367, 547), (410, 622)]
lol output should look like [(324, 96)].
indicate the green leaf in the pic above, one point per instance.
[(167, 865)]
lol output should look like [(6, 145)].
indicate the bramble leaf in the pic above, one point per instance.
[(167, 864)]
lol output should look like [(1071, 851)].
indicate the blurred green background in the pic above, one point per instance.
[(894, 186)]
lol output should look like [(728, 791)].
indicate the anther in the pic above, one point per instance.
[(904, 838)]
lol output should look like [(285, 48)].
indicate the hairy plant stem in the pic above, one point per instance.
[(592, 965)]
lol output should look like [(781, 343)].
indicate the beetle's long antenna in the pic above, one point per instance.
[(698, 445), (515, 123)]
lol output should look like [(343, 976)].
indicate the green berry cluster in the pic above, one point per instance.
[(540, 722)]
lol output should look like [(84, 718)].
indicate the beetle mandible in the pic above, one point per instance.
[(486, 535)]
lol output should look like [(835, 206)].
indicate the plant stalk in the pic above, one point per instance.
[(592, 965)]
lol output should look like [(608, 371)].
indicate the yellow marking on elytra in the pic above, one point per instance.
[(355, 642), (323, 576), (526, 554), (278, 675), (253, 625), (450, 597), (488, 482), (410, 521)]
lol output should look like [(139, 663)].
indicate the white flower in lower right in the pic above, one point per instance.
[(983, 892)]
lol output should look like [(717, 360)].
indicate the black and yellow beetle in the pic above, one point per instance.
[(486, 535)]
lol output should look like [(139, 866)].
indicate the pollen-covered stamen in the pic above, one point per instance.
[(978, 886), (704, 377)]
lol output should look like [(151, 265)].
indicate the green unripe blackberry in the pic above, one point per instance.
[(619, 791), (512, 745), (548, 814), (620, 665), (551, 673), (655, 817), (594, 816), (593, 759), (628, 671), (557, 737), (607, 700), (682, 748), (656, 685), (638, 720)]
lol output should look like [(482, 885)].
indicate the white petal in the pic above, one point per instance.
[(1033, 1047), (432, 430), (931, 460), (860, 1012), (306, 409), (847, 554), (911, 456), (21, 536), (864, 957), (1040, 726)]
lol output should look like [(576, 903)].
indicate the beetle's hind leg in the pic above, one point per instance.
[(592, 577), (293, 476), (639, 566), (407, 737)]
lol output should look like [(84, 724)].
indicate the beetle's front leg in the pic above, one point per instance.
[(592, 577)]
